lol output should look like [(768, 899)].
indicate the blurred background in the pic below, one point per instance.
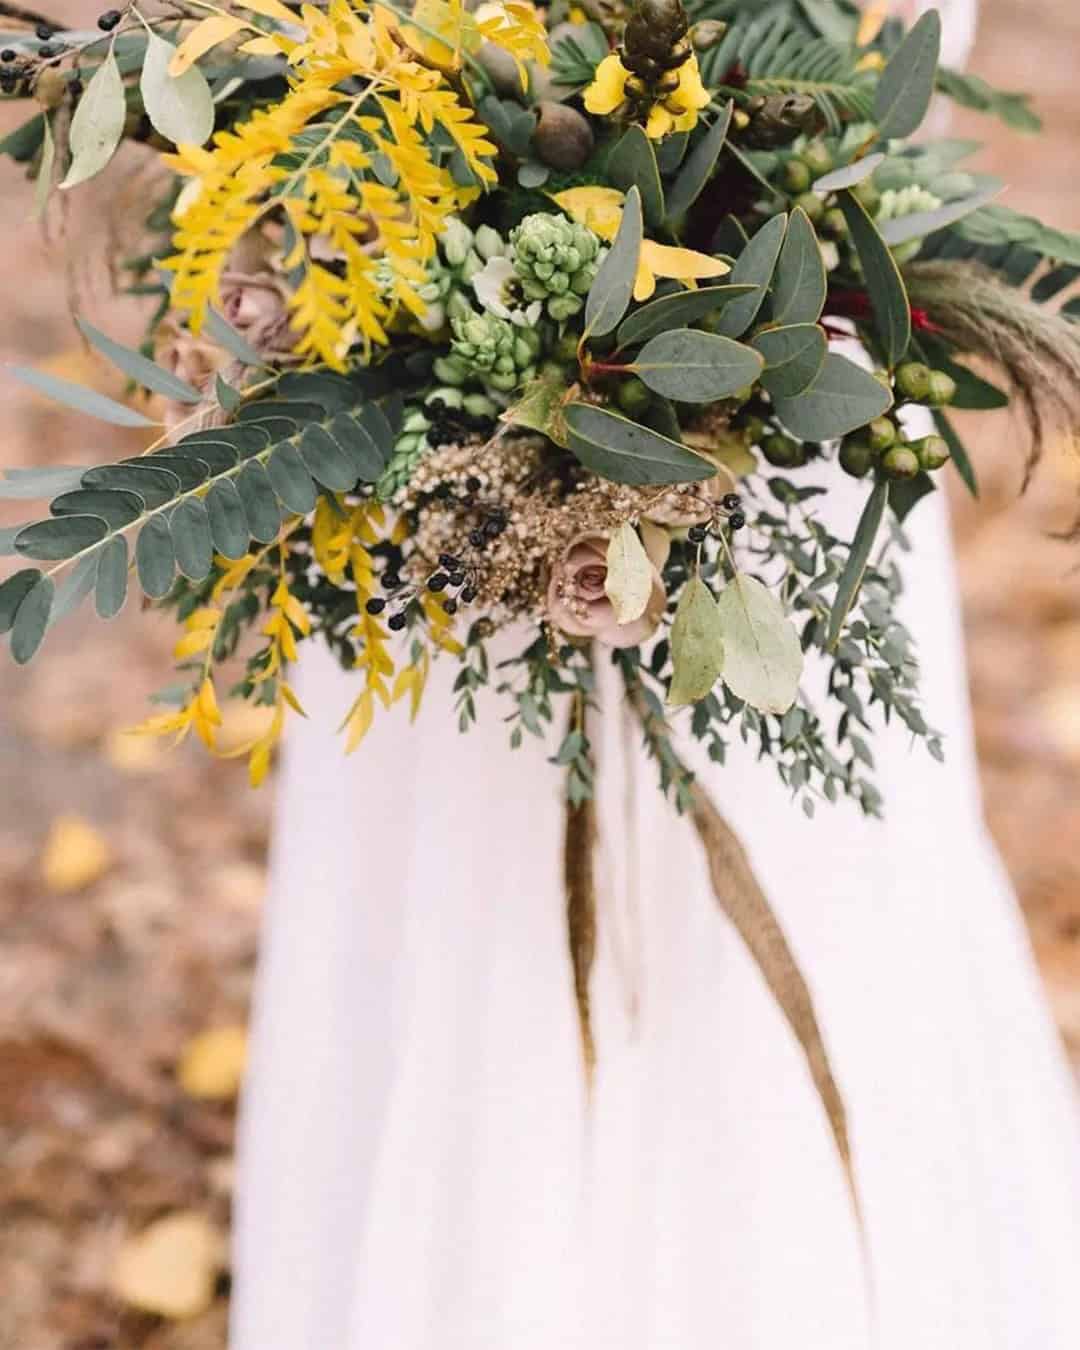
[(131, 876)]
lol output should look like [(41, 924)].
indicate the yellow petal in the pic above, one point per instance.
[(272, 9), (684, 264), (609, 83), (599, 208), (872, 22), (262, 46), (660, 122), (202, 37), (644, 282)]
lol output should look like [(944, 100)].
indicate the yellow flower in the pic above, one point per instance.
[(606, 92), (601, 210)]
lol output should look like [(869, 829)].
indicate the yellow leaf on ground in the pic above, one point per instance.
[(171, 1267), (75, 855), (212, 1065)]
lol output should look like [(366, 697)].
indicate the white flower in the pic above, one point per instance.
[(498, 290)]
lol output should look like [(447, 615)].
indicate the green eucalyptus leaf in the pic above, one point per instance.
[(112, 578), (142, 370), (155, 558), (13, 592), (228, 520), (225, 335), (847, 588), (260, 502), (355, 435), (921, 223), (906, 494), (754, 266), (81, 399), (799, 284), (632, 163), (540, 407), (697, 167), (907, 82), (32, 620), (694, 367), (843, 398), (625, 452), (60, 538), (630, 574), (850, 175), (180, 107), (697, 645), (229, 398), (888, 297), (764, 658), (677, 310), (793, 357), (192, 541), (98, 123), (611, 291), (958, 453)]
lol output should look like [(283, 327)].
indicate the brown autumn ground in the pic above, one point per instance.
[(111, 971)]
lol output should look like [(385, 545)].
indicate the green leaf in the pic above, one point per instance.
[(43, 182), (117, 509), (851, 174), (22, 144), (698, 166), (677, 310), (98, 123), (630, 574), (921, 223), (59, 538), (888, 298), (754, 266), (225, 335), (155, 559), (74, 588), (694, 367), (540, 407), (153, 485), (33, 484), (32, 620), (290, 479), (624, 452), (192, 542), (260, 503), (973, 393), (81, 399), (228, 520), (841, 399), (799, 284), (228, 397), (191, 471), (764, 660), (633, 164), (958, 453), (609, 296), (180, 107), (906, 494), (112, 578), (847, 588), (970, 91), (907, 82), (697, 645), (13, 592), (138, 367), (793, 357), (326, 461)]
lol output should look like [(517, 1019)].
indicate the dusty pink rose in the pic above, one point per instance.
[(255, 303), (577, 603)]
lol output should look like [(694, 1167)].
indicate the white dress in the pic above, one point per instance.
[(419, 1168)]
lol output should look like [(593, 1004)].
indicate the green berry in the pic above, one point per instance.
[(752, 428), (867, 194), (881, 434), (795, 177), (783, 453), (856, 457), (834, 224), (900, 462), (913, 381), (933, 452), (818, 158), (812, 204), (632, 396), (942, 389)]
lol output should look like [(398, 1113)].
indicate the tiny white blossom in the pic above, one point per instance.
[(498, 290)]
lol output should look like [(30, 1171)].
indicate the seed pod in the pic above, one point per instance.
[(563, 138), (856, 457), (707, 33), (818, 158), (783, 453), (933, 452), (900, 462), (913, 381), (942, 389), (795, 177), (812, 204), (501, 70), (632, 396), (881, 434), (834, 223)]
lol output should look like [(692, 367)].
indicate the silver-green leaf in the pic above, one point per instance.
[(611, 291), (32, 620), (76, 396), (799, 283), (694, 367), (180, 107), (793, 356), (907, 82), (142, 370), (885, 286), (626, 452), (98, 123), (764, 659), (843, 398), (630, 574), (697, 645), (754, 266)]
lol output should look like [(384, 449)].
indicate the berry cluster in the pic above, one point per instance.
[(882, 445), (727, 511)]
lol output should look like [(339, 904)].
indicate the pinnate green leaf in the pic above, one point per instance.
[(13, 592), (32, 620), (192, 541), (59, 538), (112, 578), (155, 558)]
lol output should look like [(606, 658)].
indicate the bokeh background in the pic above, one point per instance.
[(131, 877)]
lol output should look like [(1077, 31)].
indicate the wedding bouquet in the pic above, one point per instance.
[(470, 320)]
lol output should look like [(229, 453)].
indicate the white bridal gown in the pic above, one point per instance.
[(419, 1168)]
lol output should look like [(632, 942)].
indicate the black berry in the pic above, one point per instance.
[(108, 21), (391, 581), (450, 606), (44, 32), (45, 51), (736, 520), (443, 491), (697, 534), (476, 538), (397, 622), (7, 54), (472, 484), (457, 578), (375, 605), (468, 595), (730, 502), (438, 582), (448, 561)]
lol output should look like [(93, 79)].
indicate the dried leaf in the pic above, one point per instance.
[(764, 658), (98, 123), (578, 855), (629, 579), (697, 645)]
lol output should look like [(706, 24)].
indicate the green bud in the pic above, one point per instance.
[(456, 241), (489, 243), (834, 223), (933, 452), (913, 381), (479, 405), (795, 178), (900, 462), (783, 453), (450, 370), (447, 394), (812, 204), (856, 457), (818, 158), (752, 428), (942, 389), (881, 434), (632, 396), (867, 195)]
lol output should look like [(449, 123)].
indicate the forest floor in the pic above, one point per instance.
[(131, 879)]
